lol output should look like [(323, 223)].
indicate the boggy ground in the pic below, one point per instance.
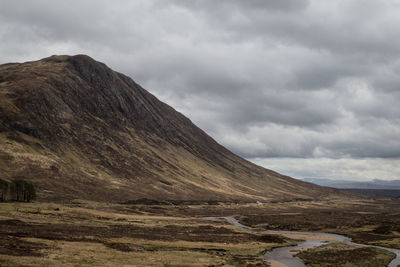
[(98, 234), (339, 254), (82, 233), (373, 222)]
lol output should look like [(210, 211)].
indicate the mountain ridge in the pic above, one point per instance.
[(78, 129)]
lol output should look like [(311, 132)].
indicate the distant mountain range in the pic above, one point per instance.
[(374, 187), (346, 184), (77, 129)]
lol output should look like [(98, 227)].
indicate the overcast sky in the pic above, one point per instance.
[(307, 88)]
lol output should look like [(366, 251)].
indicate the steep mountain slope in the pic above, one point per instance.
[(77, 129)]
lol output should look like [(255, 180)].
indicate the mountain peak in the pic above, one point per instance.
[(80, 59)]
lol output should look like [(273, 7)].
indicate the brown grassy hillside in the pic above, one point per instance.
[(77, 129)]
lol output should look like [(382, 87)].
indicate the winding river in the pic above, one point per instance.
[(283, 256)]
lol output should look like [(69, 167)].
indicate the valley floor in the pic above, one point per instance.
[(82, 233)]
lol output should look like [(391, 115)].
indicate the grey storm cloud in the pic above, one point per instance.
[(305, 79)]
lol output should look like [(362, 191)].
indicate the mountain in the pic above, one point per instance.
[(348, 184), (77, 129), (393, 193), (376, 187)]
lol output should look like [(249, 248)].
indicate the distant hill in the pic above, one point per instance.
[(374, 187), (78, 129), (345, 184), (395, 193)]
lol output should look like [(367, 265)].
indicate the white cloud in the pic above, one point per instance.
[(335, 169), (290, 78)]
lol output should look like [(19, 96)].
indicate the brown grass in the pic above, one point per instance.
[(89, 233), (346, 255)]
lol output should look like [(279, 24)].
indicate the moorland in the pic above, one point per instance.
[(86, 233)]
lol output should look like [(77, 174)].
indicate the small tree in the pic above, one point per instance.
[(16, 189), (3, 189), (30, 192)]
